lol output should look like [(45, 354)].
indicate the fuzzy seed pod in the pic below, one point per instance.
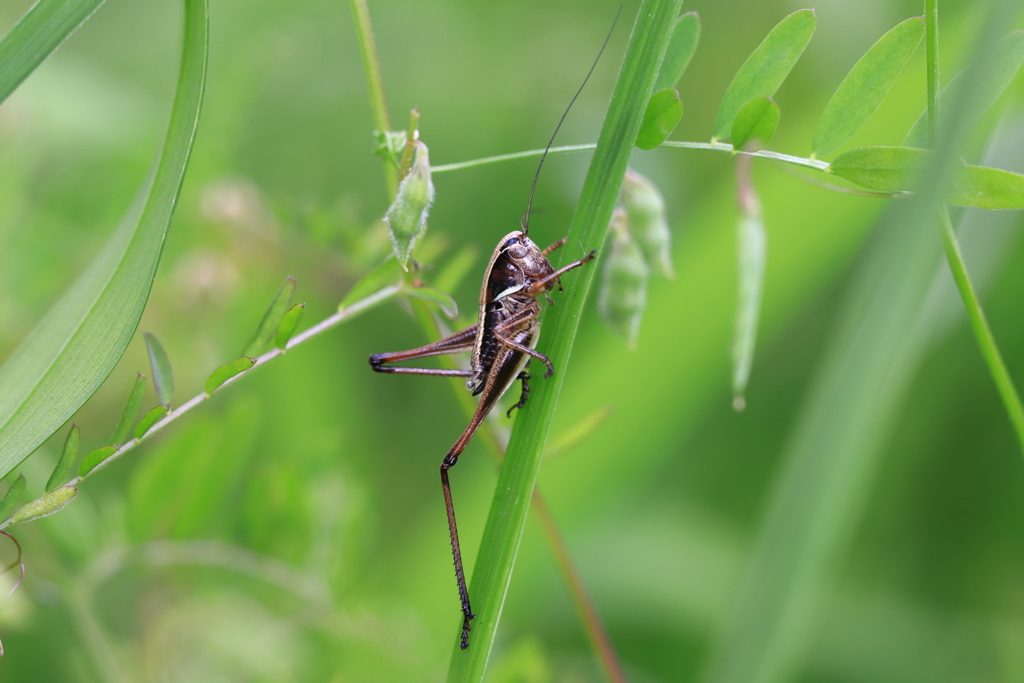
[(646, 209), (407, 216), (46, 505), (623, 294)]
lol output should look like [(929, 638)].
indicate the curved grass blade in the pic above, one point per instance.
[(660, 118), (66, 464), (163, 373), (76, 345), (1008, 58), (867, 84), (131, 409), (12, 498), (36, 35), (94, 458), (681, 47), (507, 518), (267, 328), (755, 124), (289, 322), (227, 371), (766, 68), (148, 420)]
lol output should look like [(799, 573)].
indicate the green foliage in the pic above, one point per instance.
[(289, 323), (681, 48), (93, 458), (46, 505), (266, 332), (163, 373), (889, 169), (407, 215), (755, 124), (66, 464), (867, 84), (766, 68), (131, 409), (12, 498), (987, 188), (752, 252), (623, 293), (76, 345), (660, 118), (226, 372), (148, 420)]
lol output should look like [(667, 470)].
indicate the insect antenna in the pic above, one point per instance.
[(525, 220)]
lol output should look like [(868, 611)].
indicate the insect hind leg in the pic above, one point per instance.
[(524, 378)]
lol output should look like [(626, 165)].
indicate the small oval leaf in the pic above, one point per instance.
[(681, 47), (1005, 63), (45, 505), (12, 498), (148, 420), (264, 335), (434, 296), (660, 118), (94, 458), (755, 124), (988, 188), (867, 84), (289, 323), (66, 464), (163, 375), (226, 372), (131, 409), (766, 68), (889, 169)]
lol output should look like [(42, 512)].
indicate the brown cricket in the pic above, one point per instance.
[(502, 341)]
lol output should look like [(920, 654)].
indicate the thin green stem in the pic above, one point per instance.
[(931, 28), (982, 332), (371, 62), (816, 164)]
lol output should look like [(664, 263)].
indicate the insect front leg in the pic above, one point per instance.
[(540, 285), (461, 341), (524, 378)]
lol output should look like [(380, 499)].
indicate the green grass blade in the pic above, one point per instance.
[(1009, 57), (766, 68), (36, 36), (131, 409), (867, 84), (76, 345), (163, 373), (267, 329), (506, 521), (681, 47)]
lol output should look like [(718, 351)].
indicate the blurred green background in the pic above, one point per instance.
[(292, 529)]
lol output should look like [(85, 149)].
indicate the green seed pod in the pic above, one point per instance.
[(623, 294), (45, 505), (407, 216), (646, 209)]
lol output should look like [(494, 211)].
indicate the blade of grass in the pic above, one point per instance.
[(36, 35), (847, 415), (507, 518), (76, 345)]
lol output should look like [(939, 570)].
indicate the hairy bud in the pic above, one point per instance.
[(623, 294), (646, 209), (407, 216), (45, 505)]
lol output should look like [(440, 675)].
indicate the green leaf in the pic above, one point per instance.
[(681, 47), (507, 518), (94, 458), (867, 84), (12, 498), (379, 285), (66, 464), (148, 420), (77, 343), (267, 329), (1007, 60), (131, 409), (660, 118), (45, 505), (889, 169), (163, 374), (227, 371), (987, 188), (445, 302), (766, 68), (289, 323), (755, 124), (36, 35)]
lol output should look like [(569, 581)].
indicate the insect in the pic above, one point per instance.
[(502, 341)]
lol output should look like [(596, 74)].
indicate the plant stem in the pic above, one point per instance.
[(931, 28), (982, 332), (506, 521), (371, 62)]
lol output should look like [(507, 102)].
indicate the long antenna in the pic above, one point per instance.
[(529, 204)]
